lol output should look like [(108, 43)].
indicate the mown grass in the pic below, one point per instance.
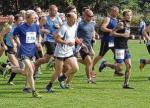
[(106, 93)]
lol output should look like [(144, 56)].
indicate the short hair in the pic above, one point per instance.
[(52, 6), (10, 16), (126, 11), (17, 16), (41, 17), (84, 8), (114, 8), (38, 8), (71, 14), (69, 8), (30, 13), (88, 11), (22, 11)]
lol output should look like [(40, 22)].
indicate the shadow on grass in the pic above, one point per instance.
[(19, 97)]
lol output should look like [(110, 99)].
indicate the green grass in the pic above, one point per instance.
[(107, 93)]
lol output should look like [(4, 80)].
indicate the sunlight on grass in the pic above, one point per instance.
[(107, 93)]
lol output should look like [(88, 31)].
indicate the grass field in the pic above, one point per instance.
[(106, 93)]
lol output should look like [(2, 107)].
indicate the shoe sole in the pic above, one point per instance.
[(128, 88)]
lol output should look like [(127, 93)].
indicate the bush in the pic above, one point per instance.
[(135, 20), (147, 18), (99, 21)]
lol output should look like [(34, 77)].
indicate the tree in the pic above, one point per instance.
[(98, 6)]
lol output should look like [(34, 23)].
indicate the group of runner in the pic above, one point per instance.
[(62, 36)]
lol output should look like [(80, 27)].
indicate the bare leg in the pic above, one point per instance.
[(128, 71), (42, 60), (72, 70), (96, 59), (29, 71)]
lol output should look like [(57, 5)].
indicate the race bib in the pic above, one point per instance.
[(30, 37), (111, 44), (119, 53), (127, 30)]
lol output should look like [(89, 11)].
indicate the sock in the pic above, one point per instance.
[(62, 78), (49, 85), (4, 65), (12, 76), (144, 61)]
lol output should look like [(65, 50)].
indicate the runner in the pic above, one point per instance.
[(146, 34), (86, 31), (107, 41), (52, 25), (64, 53), (28, 33), (121, 34)]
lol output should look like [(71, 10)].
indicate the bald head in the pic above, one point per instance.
[(88, 12), (88, 15), (114, 11), (53, 10)]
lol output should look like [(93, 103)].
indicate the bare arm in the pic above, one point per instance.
[(115, 34), (145, 33), (3, 33), (13, 41), (45, 31), (58, 39), (105, 24), (39, 39)]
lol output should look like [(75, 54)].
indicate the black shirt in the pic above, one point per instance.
[(121, 42)]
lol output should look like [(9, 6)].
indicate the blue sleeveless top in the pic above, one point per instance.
[(112, 24), (50, 25)]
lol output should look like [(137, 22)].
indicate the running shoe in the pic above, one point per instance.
[(27, 90), (61, 80), (126, 86), (91, 81), (102, 66), (11, 83), (49, 88)]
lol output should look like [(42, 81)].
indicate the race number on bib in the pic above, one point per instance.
[(111, 44), (119, 53), (30, 37)]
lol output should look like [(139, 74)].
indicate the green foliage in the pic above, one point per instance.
[(131, 4), (136, 20), (147, 18), (69, 2), (147, 5), (99, 21), (98, 6)]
